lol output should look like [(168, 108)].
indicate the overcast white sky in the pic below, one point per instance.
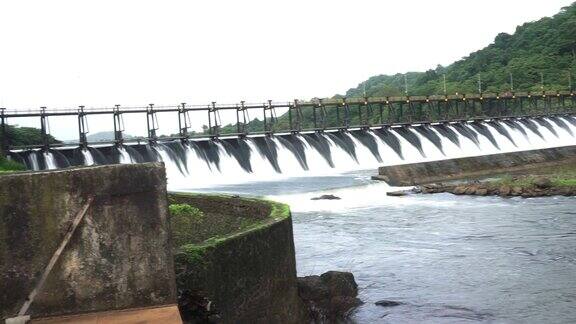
[(100, 53)]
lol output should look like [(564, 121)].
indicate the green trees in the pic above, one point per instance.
[(23, 136), (544, 49)]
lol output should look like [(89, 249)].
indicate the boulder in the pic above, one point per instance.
[(326, 197), (516, 191), (481, 192), (398, 193), (504, 190), (330, 296), (459, 190), (542, 182), (470, 190)]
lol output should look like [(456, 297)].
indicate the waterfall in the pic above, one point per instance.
[(88, 158), (50, 161), (227, 161), (33, 161), (125, 157)]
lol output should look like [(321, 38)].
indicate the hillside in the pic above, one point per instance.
[(544, 48), (23, 136)]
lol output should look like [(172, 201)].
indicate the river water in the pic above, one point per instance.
[(448, 259)]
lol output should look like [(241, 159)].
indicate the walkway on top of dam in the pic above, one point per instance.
[(317, 115)]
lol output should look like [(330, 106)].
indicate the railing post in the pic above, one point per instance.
[(5, 144), (322, 113), (43, 129), (298, 123), (151, 123), (82, 128), (214, 130), (118, 126), (269, 126), (183, 122), (314, 115), (346, 114), (238, 127)]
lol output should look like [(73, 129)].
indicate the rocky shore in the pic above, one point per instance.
[(525, 187)]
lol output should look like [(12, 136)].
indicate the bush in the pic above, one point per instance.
[(183, 219)]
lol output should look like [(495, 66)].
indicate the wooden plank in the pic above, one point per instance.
[(164, 314)]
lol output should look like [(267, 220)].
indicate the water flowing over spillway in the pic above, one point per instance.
[(199, 164), (229, 161)]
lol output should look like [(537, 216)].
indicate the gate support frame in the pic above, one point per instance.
[(183, 122), (118, 126), (43, 129), (5, 144), (82, 128), (151, 123)]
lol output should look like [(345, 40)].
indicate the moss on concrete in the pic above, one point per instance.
[(119, 257), (245, 264)]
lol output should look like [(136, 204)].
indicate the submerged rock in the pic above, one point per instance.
[(388, 303), (330, 296), (326, 197)]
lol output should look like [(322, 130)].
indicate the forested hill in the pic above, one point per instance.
[(546, 46)]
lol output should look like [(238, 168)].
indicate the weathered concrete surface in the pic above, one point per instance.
[(474, 167), (120, 256), (248, 275)]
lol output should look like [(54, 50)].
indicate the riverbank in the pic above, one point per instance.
[(558, 181)]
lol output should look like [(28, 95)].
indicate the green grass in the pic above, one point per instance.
[(183, 219), (562, 176)]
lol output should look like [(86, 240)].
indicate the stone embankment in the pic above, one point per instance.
[(475, 167)]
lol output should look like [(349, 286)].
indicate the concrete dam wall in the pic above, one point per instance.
[(476, 166), (132, 251), (243, 261), (119, 257)]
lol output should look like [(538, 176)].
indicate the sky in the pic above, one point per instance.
[(62, 54)]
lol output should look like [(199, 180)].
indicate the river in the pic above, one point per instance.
[(448, 259)]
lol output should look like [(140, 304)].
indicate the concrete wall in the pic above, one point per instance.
[(120, 256), (249, 274), (474, 167)]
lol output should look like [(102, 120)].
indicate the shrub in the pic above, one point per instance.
[(9, 165)]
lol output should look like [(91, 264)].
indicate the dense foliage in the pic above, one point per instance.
[(544, 48)]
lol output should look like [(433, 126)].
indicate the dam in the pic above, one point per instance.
[(227, 160), (440, 257)]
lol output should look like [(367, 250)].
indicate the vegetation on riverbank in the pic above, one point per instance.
[(560, 180)]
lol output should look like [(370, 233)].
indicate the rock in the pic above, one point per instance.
[(516, 191), (388, 303), (326, 197), (330, 296), (459, 190), (481, 192), (470, 190), (398, 193), (504, 190), (542, 182)]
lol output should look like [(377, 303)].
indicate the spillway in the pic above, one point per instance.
[(202, 163)]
